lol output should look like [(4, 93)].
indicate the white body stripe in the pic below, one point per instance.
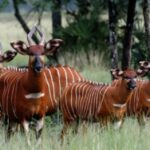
[(86, 93), (53, 86), (65, 76), (66, 105), (49, 91), (71, 99), (73, 80), (13, 95), (59, 83), (79, 79), (100, 105)]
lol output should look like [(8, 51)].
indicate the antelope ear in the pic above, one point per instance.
[(116, 73), (144, 68), (52, 46), (20, 47), (145, 64), (8, 56), (142, 71)]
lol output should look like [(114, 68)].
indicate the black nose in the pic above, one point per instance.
[(131, 84), (38, 69), (38, 65)]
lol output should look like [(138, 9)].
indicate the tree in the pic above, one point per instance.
[(56, 22), (21, 20), (112, 9), (146, 13), (56, 15), (127, 43)]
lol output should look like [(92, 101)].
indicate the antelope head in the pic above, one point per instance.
[(128, 76), (36, 51)]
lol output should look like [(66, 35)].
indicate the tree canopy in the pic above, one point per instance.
[(93, 27)]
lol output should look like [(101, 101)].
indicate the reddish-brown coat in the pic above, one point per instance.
[(89, 101)]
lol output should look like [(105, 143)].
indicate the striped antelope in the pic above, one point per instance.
[(24, 91), (5, 57), (58, 78), (89, 101), (139, 101)]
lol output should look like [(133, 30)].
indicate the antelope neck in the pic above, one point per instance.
[(145, 91), (34, 82), (120, 92), (146, 87)]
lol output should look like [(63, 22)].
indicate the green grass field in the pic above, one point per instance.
[(130, 137)]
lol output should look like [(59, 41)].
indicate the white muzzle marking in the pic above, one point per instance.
[(119, 105), (34, 95)]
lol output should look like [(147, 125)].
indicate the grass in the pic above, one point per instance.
[(98, 74), (130, 137)]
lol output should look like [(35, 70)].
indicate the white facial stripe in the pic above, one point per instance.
[(119, 105), (34, 95)]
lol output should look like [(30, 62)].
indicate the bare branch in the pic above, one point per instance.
[(21, 20)]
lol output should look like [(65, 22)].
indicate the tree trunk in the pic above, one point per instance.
[(56, 22), (21, 20), (56, 16), (112, 34), (146, 13), (126, 57)]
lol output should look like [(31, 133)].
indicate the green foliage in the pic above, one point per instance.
[(85, 30), (87, 26), (85, 34), (139, 48), (43, 5), (3, 4)]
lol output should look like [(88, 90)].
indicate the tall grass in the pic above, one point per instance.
[(130, 137)]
